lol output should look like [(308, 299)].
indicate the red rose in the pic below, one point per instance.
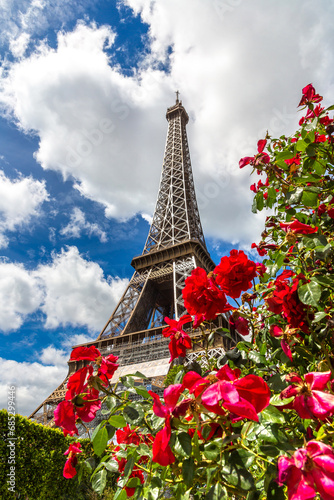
[(297, 227), (235, 273), (311, 400), (72, 452), (308, 472), (309, 95), (257, 160), (202, 296), (179, 340)]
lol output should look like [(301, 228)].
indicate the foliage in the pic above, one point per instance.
[(258, 423), (39, 459)]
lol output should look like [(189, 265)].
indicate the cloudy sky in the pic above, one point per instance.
[(83, 94)]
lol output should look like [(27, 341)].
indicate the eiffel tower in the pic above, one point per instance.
[(174, 247)]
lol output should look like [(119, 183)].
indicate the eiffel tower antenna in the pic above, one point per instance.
[(174, 247)]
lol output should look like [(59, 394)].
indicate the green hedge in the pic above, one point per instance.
[(39, 461)]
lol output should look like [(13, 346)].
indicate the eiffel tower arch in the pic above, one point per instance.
[(174, 247)]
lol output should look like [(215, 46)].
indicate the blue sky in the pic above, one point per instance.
[(83, 94)]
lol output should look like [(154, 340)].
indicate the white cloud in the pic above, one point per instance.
[(33, 381), (70, 290), (19, 45), (20, 200), (77, 339), (52, 356), (20, 295), (76, 292), (78, 225), (148, 218), (240, 67), (33, 18)]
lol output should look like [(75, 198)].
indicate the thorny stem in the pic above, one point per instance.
[(87, 429), (148, 425), (149, 472), (255, 454), (326, 353)]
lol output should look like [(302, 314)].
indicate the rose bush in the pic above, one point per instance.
[(258, 422)]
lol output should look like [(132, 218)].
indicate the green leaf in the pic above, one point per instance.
[(257, 358), (319, 168), (271, 414), (223, 330), (211, 337), (141, 391), (156, 482), (188, 471), (259, 201), (111, 430), (112, 466), (196, 449), (284, 155), (319, 316), (129, 466), (226, 335), (212, 449), (96, 430), (321, 433), (120, 495), (277, 401), (294, 196), (309, 198), (311, 150), (325, 252), (185, 442), (235, 472), (279, 259), (216, 492), (246, 458), (128, 381), (117, 421), (267, 432), (89, 464), (277, 382), (254, 205), (111, 402), (269, 450), (244, 346), (138, 375), (99, 481), (105, 411), (305, 353), (156, 422), (233, 354), (133, 482), (133, 414), (210, 474), (301, 145), (180, 374), (100, 441), (327, 281), (313, 241), (275, 492), (253, 495), (310, 293)]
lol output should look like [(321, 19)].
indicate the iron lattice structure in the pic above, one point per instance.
[(175, 244), (174, 247)]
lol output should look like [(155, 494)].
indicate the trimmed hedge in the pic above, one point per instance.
[(38, 460)]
